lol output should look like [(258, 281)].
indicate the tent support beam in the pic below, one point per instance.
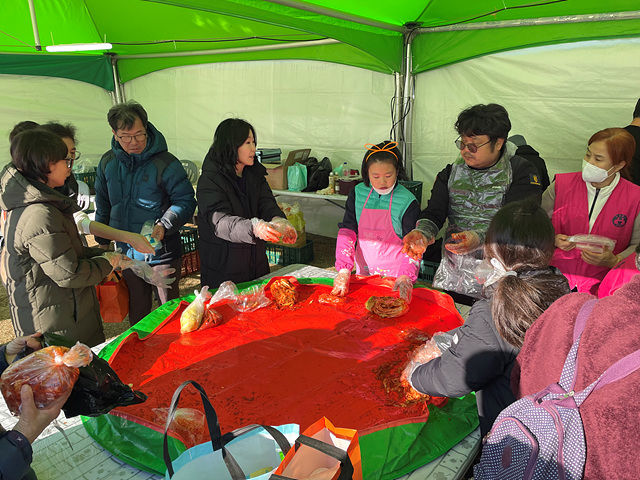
[(405, 120), (262, 48), (529, 22), (327, 12), (34, 25), (118, 93)]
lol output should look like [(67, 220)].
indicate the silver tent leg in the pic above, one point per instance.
[(118, 93), (405, 120)]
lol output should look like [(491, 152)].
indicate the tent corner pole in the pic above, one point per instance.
[(118, 92), (405, 121)]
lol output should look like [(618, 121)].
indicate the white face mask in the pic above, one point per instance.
[(384, 191), (591, 173)]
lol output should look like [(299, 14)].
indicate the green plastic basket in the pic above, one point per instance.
[(286, 255)]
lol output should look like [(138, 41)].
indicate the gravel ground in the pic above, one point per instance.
[(324, 257)]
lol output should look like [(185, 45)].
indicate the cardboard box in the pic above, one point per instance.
[(277, 174)]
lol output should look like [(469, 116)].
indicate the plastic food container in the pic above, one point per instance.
[(592, 243)]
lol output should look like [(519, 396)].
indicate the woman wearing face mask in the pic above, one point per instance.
[(600, 200), (379, 212)]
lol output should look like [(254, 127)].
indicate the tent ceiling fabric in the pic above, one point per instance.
[(368, 32)]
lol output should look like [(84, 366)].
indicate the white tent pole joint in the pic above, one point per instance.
[(34, 25)]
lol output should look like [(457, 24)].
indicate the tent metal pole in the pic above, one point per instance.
[(528, 22), (327, 12), (34, 25), (406, 123), (396, 114), (118, 94), (262, 48)]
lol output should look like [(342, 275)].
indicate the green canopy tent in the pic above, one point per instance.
[(405, 36)]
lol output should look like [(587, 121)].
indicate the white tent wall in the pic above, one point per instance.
[(556, 96), (43, 99), (332, 109)]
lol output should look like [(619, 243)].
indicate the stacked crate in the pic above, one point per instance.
[(190, 252)]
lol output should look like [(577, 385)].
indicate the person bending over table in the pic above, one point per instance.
[(519, 286), (468, 192), (599, 201), (50, 275), (237, 212), (15, 445), (378, 213)]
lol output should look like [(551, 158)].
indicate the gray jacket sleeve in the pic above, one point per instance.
[(470, 364)]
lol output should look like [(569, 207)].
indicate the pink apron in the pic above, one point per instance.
[(379, 250)]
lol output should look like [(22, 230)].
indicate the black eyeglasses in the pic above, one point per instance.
[(76, 155), (128, 138), (472, 147), (69, 162)]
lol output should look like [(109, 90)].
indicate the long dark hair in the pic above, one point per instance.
[(229, 136), (521, 237)]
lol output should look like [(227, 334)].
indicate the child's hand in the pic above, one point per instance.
[(563, 244), (415, 243), (463, 242), (341, 283), (404, 286)]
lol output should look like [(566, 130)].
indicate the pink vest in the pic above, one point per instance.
[(571, 217), (618, 276)]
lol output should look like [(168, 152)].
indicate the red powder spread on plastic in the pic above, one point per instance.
[(276, 366)]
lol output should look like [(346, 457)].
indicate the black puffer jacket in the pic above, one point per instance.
[(228, 248)]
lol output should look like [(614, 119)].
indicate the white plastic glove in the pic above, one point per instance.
[(404, 286), (415, 243), (117, 260), (463, 242), (158, 276), (341, 283), (282, 225), (265, 230)]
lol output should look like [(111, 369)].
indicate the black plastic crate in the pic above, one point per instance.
[(427, 270), (189, 239), (89, 178), (414, 187), (286, 255)]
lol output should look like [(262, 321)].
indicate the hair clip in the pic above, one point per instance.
[(375, 148)]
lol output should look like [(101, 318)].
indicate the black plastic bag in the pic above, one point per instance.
[(98, 389), (317, 174)]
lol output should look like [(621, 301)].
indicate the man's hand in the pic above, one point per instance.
[(604, 259), (139, 243), (563, 244), (158, 232), (415, 243), (463, 242), (34, 420)]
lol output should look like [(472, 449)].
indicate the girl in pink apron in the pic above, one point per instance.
[(378, 213)]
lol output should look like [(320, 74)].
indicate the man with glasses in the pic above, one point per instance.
[(138, 181), (468, 193)]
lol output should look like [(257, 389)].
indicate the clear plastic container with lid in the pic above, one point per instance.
[(592, 243)]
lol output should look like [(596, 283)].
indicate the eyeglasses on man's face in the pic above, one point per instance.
[(472, 147), (129, 138), (75, 155), (69, 161)]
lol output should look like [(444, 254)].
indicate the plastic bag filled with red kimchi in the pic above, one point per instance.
[(51, 372)]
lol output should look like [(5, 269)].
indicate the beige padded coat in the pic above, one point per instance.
[(50, 275)]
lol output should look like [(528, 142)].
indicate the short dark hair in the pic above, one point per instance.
[(123, 115), (636, 111), (492, 120), (522, 238), (230, 134), (63, 131), (372, 156), (21, 127), (32, 152)]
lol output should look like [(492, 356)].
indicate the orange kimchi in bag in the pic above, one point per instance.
[(50, 372)]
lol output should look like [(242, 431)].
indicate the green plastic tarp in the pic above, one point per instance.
[(365, 34)]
